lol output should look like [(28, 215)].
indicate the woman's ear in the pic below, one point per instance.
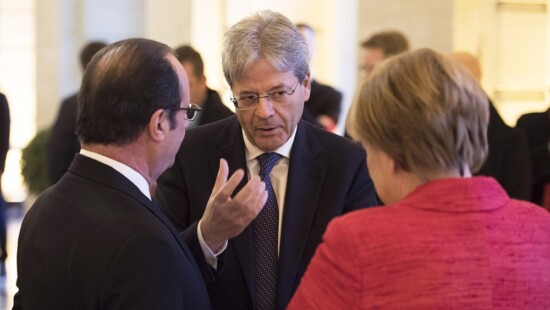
[(158, 125)]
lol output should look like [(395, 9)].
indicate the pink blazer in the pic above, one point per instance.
[(452, 243)]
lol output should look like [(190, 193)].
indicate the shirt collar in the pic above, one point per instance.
[(132, 175), (253, 151)]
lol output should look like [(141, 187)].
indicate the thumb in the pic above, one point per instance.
[(221, 178)]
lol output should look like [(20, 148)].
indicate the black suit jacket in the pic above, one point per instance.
[(213, 108), (94, 241), (324, 99), (4, 131), (508, 161), (327, 177), (537, 128), (63, 144)]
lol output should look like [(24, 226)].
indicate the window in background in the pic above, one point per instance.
[(18, 83)]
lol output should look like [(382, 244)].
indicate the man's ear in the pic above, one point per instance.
[(307, 87), (158, 125)]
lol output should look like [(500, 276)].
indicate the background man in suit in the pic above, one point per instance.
[(324, 101), (318, 175), (64, 144), (95, 240), (208, 99), (378, 47)]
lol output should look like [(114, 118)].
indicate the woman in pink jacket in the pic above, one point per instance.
[(444, 239)]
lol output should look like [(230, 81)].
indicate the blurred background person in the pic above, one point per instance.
[(325, 102), (64, 144), (508, 160), (4, 147), (375, 49), (380, 46), (444, 239), (208, 99)]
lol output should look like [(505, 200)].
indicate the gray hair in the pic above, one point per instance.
[(264, 35)]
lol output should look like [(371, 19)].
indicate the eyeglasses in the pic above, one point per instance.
[(190, 112), (246, 102)]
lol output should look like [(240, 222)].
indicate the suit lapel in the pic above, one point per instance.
[(305, 179), (231, 143)]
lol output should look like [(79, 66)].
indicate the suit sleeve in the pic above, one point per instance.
[(333, 277)]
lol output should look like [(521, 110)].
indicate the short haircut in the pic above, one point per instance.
[(265, 35), (424, 110), (186, 53), (88, 51), (391, 42), (124, 84)]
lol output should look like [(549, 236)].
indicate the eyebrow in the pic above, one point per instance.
[(273, 88)]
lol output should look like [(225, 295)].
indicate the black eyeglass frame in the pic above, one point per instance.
[(257, 97), (190, 112)]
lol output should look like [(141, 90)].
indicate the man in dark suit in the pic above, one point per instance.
[(64, 144), (208, 99), (325, 102), (316, 175), (96, 240)]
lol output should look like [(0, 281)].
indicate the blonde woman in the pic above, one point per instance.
[(444, 239)]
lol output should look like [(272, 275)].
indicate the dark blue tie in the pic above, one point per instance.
[(265, 239)]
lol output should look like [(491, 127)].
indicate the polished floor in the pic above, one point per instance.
[(14, 217)]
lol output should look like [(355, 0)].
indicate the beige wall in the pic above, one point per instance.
[(427, 23)]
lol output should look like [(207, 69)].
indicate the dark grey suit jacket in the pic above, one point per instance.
[(327, 177), (94, 241)]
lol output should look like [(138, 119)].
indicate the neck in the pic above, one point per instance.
[(131, 155)]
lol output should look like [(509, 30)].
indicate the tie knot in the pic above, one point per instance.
[(267, 162)]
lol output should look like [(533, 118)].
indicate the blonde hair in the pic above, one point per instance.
[(425, 111)]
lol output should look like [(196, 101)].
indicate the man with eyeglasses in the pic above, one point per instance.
[(311, 175), (96, 240)]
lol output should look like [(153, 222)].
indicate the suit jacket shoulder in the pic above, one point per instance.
[(103, 243)]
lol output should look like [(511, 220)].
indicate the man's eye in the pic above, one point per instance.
[(277, 94), (248, 99)]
